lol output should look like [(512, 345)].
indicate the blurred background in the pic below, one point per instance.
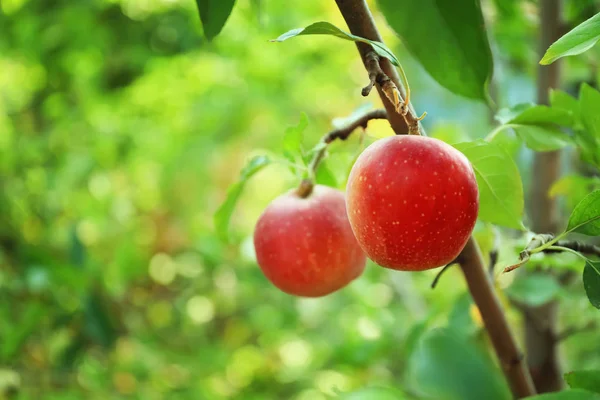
[(121, 129)]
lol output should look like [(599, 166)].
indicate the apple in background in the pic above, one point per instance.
[(305, 246), (412, 202)]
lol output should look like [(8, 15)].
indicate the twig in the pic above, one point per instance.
[(345, 131), (439, 274), (585, 248), (493, 261), (539, 244), (306, 186), (572, 330), (535, 243)]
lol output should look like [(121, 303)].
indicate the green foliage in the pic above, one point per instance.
[(500, 187), (121, 129), (563, 101), (589, 101), (534, 289), (292, 140), (573, 394), (214, 14), (587, 380), (580, 39), (446, 366), (585, 218), (448, 39), (538, 126), (234, 192), (325, 28), (374, 393), (591, 282)]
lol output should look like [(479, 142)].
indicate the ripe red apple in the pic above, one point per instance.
[(305, 246), (412, 202)]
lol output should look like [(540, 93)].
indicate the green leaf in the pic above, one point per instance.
[(505, 115), (459, 318), (588, 138), (587, 380), (538, 126), (448, 38), (542, 138), (564, 101), (373, 393), (538, 114), (585, 218), (534, 289), (214, 14), (446, 366), (591, 282), (292, 140), (325, 28), (223, 214), (581, 38), (573, 394), (500, 186), (325, 176)]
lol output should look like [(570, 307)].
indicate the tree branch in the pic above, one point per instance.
[(584, 248), (362, 122), (306, 186), (360, 22)]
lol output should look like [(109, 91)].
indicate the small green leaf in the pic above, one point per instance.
[(541, 138), (292, 140), (223, 214), (585, 218), (537, 114), (591, 282), (447, 366), (373, 393), (500, 186), (572, 394), (448, 38), (214, 14), (581, 38), (325, 176), (534, 289), (587, 380), (505, 115), (564, 101), (325, 28), (588, 138), (538, 126)]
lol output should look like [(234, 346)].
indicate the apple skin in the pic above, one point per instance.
[(412, 202), (305, 246)]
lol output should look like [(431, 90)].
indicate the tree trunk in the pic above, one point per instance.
[(541, 322)]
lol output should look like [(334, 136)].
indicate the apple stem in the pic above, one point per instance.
[(305, 189), (358, 17)]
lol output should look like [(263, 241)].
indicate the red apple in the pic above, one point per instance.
[(412, 202), (305, 246)]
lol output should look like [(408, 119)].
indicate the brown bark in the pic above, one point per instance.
[(541, 322), (360, 22)]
